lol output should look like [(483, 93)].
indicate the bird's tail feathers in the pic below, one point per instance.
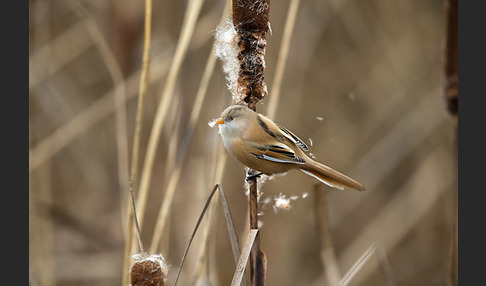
[(330, 177)]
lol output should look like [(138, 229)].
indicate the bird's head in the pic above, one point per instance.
[(234, 120)]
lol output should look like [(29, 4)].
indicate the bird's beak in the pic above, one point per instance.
[(219, 121)]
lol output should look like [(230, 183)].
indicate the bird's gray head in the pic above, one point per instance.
[(234, 120)]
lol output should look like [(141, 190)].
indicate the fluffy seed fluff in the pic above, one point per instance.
[(226, 49), (283, 203)]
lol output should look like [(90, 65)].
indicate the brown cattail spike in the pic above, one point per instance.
[(250, 19), (251, 85), (148, 270), (251, 15)]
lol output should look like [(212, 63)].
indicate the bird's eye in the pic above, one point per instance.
[(231, 118)]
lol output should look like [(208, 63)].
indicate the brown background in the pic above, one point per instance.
[(372, 69)]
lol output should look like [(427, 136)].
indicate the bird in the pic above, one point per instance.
[(269, 148)]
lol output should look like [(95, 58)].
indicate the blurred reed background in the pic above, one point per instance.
[(362, 81)]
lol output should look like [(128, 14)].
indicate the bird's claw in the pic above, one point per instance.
[(250, 175)]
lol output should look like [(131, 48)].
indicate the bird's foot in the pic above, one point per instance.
[(250, 175)]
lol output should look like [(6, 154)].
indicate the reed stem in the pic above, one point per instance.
[(136, 143)]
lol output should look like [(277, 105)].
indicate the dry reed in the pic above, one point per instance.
[(186, 33), (248, 247), (328, 256), (397, 210), (89, 117), (282, 57), (144, 75), (373, 77), (174, 178)]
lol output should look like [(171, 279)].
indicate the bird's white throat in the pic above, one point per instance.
[(225, 132)]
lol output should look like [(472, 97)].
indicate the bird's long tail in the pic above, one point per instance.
[(329, 176)]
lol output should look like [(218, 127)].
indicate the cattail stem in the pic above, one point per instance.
[(257, 272), (250, 19)]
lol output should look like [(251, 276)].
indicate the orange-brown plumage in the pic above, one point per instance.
[(264, 146)]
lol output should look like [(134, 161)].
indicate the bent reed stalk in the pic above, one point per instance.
[(144, 75)]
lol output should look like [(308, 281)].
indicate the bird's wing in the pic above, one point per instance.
[(293, 138), (277, 152), (280, 133)]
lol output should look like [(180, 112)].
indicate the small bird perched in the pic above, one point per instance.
[(266, 147)]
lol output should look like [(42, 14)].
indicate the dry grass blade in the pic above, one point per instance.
[(358, 265), (217, 161), (99, 109), (173, 143), (328, 257), (190, 18), (282, 57), (174, 178), (194, 232), (87, 118), (120, 116), (116, 74), (385, 147), (180, 154), (202, 272), (70, 37), (134, 211), (235, 246), (245, 253), (385, 266), (203, 87), (136, 140), (230, 225), (160, 225), (144, 76), (398, 210)]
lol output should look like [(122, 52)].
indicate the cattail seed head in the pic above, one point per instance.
[(148, 270)]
